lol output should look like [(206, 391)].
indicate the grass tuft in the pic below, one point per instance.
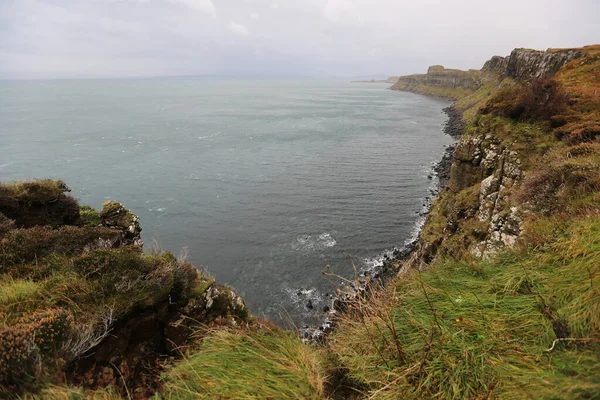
[(267, 363)]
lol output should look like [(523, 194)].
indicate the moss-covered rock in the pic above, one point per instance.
[(114, 215)]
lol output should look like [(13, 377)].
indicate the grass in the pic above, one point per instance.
[(484, 330), (16, 290), (73, 393), (267, 363)]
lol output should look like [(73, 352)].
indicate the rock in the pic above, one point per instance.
[(114, 215), (527, 65), (309, 304), (326, 309)]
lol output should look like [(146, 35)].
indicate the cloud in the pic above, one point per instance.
[(238, 29), (205, 6), (106, 38), (337, 10)]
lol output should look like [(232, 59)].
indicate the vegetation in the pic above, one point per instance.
[(259, 363), (523, 325), (68, 289)]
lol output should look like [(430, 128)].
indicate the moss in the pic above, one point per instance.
[(114, 214), (201, 286)]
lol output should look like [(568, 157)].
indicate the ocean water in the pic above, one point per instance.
[(266, 182)]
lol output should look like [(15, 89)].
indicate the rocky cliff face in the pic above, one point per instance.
[(521, 65), (527, 65), (480, 211)]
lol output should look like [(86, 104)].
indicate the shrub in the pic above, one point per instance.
[(539, 101), (17, 356), (21, 246), (48, 328), (540, 187), (89, 216), (38, 203), (6, 224)]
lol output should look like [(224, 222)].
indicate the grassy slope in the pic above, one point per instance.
[(240, 364), (486, 329)]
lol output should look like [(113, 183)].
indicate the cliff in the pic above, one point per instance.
[(441, 82), (79, 299), (522, 65), (499, 299)]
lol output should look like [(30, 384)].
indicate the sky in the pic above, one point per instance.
[(50, 39)]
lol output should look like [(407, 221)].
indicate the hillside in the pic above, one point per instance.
[(499, 299)]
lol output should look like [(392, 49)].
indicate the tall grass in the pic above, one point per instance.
[(16, 290), (523, 326), (239, 364)]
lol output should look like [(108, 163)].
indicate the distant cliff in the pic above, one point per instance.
[(391, 79), (441, 82), (521, 64)]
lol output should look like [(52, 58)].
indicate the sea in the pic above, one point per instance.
[(264, 183)]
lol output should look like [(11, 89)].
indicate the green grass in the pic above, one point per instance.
[(16, 290), (263, 364), (89, 216), (484, 330)]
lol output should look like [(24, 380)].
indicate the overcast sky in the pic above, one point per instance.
[(119, 38)]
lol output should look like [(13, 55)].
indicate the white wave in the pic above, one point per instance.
[(327, 240), (307, 243), (300, 297)]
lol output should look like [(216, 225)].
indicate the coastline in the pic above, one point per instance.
[(381, 273)]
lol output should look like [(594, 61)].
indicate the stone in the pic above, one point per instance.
[(115, 215)]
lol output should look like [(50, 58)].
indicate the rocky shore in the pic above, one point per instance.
[(360, 286)]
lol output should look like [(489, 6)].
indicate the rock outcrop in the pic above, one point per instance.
[(527, 65), (115, 215)]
